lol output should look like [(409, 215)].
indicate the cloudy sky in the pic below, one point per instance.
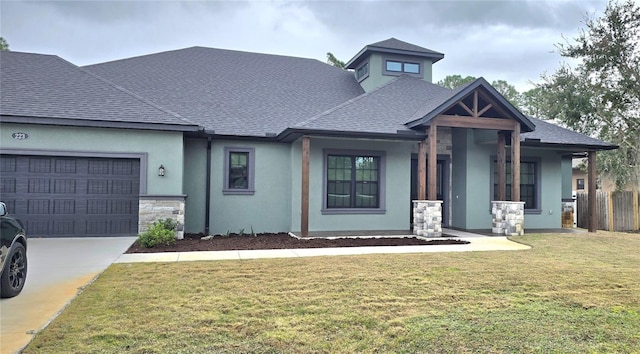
[(508, 40)]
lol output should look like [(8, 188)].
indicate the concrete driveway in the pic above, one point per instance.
[(58, 268)]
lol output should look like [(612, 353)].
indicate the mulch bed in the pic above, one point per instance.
[(193, 242)]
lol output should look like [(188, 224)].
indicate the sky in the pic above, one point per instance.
[(498, 40)]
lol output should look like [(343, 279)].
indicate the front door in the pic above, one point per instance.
[(442, 186)]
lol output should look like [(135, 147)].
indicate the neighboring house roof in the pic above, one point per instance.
[(233, 92), (550, 135), (393, 46), (46, 89)]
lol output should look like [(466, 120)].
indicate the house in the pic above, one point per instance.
[(224, 140)]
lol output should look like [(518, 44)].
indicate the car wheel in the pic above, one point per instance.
[(15, 272)]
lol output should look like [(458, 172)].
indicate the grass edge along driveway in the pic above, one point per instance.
[(570, 293)]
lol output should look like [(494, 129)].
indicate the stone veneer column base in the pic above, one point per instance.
[(427, 218), (508, 218), (155, 207)]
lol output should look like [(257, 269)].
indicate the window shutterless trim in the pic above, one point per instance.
[(364, 76), (402, 67), (538, 182), (381, 155), (250, 171)]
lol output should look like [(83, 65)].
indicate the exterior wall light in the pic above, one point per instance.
[(161, 171)]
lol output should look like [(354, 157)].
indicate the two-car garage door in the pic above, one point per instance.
[(72, 196)]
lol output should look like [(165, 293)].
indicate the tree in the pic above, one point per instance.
[(601, 95), (507, 90), (453, 81), (3, 44), (331, 59)]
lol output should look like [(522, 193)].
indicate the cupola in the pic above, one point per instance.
[(380, 62)]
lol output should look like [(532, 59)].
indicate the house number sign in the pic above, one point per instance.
[(19, 135)]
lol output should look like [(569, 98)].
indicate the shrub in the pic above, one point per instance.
[(162, 232)]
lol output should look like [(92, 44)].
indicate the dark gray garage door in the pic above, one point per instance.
[(72, 196)]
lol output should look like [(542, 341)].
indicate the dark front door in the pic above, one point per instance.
[(72, 196), (442, 186)]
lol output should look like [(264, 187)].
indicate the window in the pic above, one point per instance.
[(362, 72), (529, 183), (397, 66), (580, 184), (353, 182), (238, 170)]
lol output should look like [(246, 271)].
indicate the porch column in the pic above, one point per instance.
[(432, 162), (515, 163), (593, 206), (422, 170), (304, 218), (502, 166)]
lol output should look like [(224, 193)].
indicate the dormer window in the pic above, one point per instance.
[(362, 72), (397, 66)]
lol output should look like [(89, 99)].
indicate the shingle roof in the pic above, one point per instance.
[(46, 86), (233, 92), (384, 110), (551, 134), (393, 46)]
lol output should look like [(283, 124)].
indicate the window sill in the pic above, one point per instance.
[(533, 211), (238, 191), (345, 211)]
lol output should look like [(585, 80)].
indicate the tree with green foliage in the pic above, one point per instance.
[(3, 44), (507, 90), (601, 95), (332, 60), (453, 81)]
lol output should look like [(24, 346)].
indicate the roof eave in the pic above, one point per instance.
[(353, 63), (569, 147), (292, 134), (97, 123)]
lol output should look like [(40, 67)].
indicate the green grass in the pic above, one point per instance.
[(569, 294)]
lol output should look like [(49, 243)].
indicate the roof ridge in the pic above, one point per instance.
[(346, 103), (136, 96)]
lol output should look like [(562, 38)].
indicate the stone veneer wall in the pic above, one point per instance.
[(153, 208), (508, 218), (427, 218)]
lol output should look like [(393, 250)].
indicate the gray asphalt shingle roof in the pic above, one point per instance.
[(46, 86), (383, 110), (233, 92), (549, 133)]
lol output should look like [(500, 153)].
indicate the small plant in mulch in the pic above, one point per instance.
[(162, 232)]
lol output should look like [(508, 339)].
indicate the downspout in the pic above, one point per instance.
[(207, 207)]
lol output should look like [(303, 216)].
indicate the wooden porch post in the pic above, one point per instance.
[(422, 170), (432, 162), (592, 207), (502, 166), (515, 163), (304, 218)]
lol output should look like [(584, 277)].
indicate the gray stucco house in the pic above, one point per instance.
[(225, 140)]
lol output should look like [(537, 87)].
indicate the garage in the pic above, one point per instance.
[(58, 196)]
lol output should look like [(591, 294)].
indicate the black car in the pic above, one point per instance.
[(13, 254)]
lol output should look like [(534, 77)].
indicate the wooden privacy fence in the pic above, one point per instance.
[(616, 211)]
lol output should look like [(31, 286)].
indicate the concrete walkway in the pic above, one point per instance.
[(477, 243)]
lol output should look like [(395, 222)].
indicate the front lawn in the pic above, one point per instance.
[(570, 294)]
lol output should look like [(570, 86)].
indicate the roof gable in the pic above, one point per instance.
[(431, 110)]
